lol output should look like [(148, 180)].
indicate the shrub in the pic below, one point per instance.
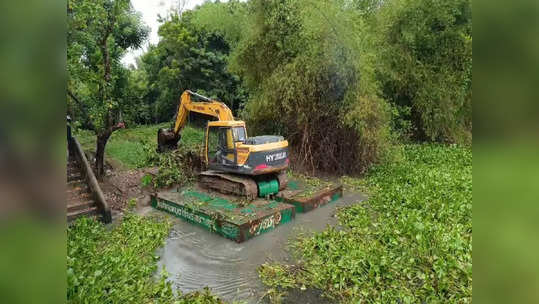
[(425, 66), (175, 167), (310, 82)]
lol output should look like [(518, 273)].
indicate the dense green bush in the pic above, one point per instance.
[(425, 66), (302, 62), (177, 167), (226, 19), (411, 242)]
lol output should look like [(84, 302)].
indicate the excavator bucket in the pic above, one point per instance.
[(167, 140)]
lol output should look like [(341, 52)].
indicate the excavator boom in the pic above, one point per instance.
[(167, 139), (209, 107)]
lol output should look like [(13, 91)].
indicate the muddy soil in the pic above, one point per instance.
[(121, 186)]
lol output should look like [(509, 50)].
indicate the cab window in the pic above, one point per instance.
[(220, 144), (213, 143), (239, 134)]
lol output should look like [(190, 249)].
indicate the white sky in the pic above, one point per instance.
[(150, 9)]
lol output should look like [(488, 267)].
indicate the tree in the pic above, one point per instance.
[(425, 54), (99, 33), (188, 56), (307, 68), (137, 111)]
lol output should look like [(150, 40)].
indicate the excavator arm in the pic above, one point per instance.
[(168, 138), (209, 107)]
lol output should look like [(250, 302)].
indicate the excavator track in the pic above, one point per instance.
[(229, 183)]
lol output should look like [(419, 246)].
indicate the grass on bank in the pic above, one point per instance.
[(117, 264), (130, 146), (411, 242)]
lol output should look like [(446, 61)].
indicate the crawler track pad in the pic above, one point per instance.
[(229, 183)]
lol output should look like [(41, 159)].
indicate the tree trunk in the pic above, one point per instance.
[(103, 137), (106, 59), (100, 154)]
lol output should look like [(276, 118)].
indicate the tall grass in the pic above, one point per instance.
[(129, 146)]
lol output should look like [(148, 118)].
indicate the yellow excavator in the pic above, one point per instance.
[(236, 164)]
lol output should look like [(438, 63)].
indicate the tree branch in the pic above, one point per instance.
[(117, 126), (82, 106)]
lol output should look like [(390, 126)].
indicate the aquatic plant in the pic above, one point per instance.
[(411, 242), (117, 264)]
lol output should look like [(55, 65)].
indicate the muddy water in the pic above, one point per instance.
[(195, 258)]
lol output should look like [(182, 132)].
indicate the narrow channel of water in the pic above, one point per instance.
[(195, 258)]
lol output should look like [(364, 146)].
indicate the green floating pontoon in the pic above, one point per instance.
[(240, 220), (236, 220), (307, 195)]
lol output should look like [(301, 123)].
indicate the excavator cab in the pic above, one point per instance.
[(222, 138)]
